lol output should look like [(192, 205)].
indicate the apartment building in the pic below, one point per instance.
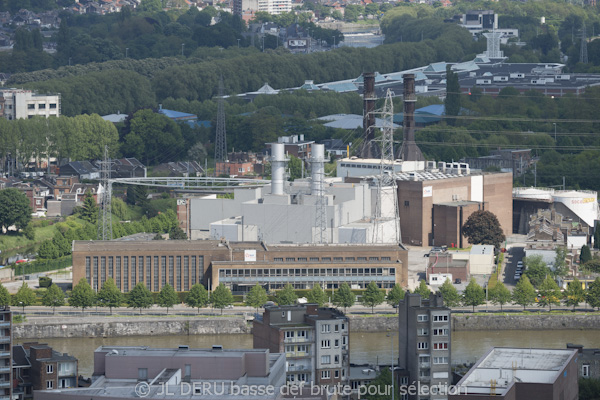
[(21, 103), (183, 373), (273, 7), (6, 375), (315, 342), (424, 343)]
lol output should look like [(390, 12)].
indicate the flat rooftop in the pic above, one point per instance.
[(506, 366), (184, 351)]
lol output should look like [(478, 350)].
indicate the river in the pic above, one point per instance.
[(364, 347)]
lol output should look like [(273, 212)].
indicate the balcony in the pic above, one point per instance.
[(4, 370), (4, 339), (4, 354), (4, 384), (297, 340), (297, 354), (299, 368), (424, 365), (4, 324)]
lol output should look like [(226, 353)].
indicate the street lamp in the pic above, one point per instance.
[(554, 123), (238, 43), (126, 51), (391, 336), (333, 41), (182, 45)]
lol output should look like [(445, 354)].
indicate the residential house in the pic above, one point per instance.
[(179, 168), (81, 169)]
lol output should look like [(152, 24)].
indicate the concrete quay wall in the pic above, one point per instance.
[(39, 329)]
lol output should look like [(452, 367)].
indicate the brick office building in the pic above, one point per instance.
[(239, 265)]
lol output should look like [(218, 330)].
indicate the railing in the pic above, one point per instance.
[(299, 368), (4, 339), (296, 340), (297, 354), (424, 365), (5, 370), (4, 324), (4, 384), (4, 353)]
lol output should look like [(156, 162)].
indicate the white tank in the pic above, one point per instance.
[(317, 166), (533, 193), (277, 168), (583, 203)]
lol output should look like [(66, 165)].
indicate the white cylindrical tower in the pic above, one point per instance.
[(277, 167), (317, 165)]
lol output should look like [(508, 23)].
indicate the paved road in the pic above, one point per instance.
[(514, 255)]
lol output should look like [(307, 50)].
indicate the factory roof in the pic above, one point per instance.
[(505, 366)]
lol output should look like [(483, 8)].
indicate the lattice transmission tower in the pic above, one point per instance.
[(221, 137), (386, 203), (583, 54), (104, 213)]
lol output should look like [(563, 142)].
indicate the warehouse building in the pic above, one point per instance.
[(239, 266)]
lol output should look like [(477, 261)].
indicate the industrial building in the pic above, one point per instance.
[(22, 103), (239, 266), (289, 212), (521, 374), (315, 342), (576, 205), (424, 343), (182, 373)]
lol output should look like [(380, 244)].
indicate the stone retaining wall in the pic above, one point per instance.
[(227, 325)]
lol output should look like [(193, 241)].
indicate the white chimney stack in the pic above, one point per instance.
[(317, 162), (277, 167)]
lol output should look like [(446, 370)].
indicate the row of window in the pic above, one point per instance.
[(327, 359), (329, 259), (128, 271), (301, 348), (326, 328), (436, 346), (336, 374), (276, 272), (326, 343), (41, 106), (436, 318)]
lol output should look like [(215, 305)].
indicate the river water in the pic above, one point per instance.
[(364, 347)]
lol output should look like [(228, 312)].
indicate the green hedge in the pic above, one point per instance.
[(42, 265)]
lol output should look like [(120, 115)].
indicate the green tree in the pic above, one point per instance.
[(549, 293), (474, 295), (295, 168), (176, 233), (140, 297), (82, 295), (152, 6), (221, 297), (585, 255), (381, 386), (394, 296), (453, 94), (54, 297), (524, 292), (535, 269), (257, 297), (575, 293), (197, 297), (14, 209), (167, 297), (482, 227), (422, 289), (89, 209), (48, 250), (4, 296), (500, 294), (373, 296), (25, 297), (317, 295), (592, 296), (110, 296), (344, 297), (286, 296), (450, 294), (560, 264), (29, 232)]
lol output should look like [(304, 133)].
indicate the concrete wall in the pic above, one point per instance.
[(133, 327)]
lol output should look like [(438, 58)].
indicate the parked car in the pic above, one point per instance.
[(457, 281)]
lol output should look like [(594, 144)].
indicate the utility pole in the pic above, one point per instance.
[(221, 136)]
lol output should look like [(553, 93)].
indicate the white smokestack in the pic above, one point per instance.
[(277, 167), (317, 162)]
